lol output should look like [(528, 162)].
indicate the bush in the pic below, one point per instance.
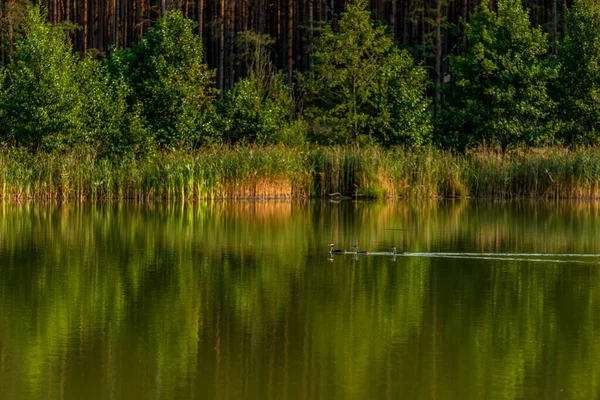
[(169, 83), (363, 88), (578, 88), (499, 92), (113, 128), (401, 116), (41, 106), (257, 108)]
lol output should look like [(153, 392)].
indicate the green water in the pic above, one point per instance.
[(494, 300)]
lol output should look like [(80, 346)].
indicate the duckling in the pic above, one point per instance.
[(394, 252), (332, 251), (360, 252)]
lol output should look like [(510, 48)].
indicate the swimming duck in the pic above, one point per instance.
[(394, 252), (332, 251), (360, 252)]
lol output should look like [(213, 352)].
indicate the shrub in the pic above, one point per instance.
[(362, 88), (578, 88), (499, 91), (114, 128), (169, 82), (41, 106), (257, 108)]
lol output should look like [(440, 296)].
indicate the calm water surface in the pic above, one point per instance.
[(494, 300)]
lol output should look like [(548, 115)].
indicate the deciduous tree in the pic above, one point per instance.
[(363, 88), (256, 109), (499, 92), (170, 82), (40, 102), (578, 88)]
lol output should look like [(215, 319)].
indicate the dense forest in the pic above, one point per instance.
[(431, 29), (130, 76)]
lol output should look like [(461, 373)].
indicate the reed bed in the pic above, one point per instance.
[(281, 172), (213, 173)]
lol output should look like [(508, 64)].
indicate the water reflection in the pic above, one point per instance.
[(243, 300)]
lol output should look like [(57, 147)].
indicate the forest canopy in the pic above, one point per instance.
[(511, 79)]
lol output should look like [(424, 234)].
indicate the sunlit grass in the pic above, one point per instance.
[(282, 172), (213, 173)]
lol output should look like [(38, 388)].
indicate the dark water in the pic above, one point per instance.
[(242, 301)]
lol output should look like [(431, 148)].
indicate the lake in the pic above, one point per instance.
[(242, 300)]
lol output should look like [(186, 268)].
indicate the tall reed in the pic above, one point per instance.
[(281, 172), (217, 172)]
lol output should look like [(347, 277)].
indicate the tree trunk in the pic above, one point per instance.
[(310, 33), (100, 25), (2, 43), (438, 54), (554, 26), (393, 19), (200, 18), (231, 47), (564, 18), (85, 26), (290, 41), (68, 11), (261, 16), (220, 82)]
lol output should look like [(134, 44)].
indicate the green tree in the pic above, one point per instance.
[(400, 103), (40, 102), (499, 93), (578, 87), (114, 128), (363, 88), (170, 83), (256, 109)]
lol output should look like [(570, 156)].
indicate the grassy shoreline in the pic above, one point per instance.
[(284, 172)]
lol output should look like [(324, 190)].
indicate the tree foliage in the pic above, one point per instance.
[(401, 115), (40, 102), (505, 88), (363, 88), (114, 128), (169, 82), (256, 109), (578, 88), (499, 93)]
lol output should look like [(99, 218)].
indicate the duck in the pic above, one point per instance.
[(360, 252), (332, 251), (394, 252)]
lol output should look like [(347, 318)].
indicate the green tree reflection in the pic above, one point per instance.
[(238, 300)]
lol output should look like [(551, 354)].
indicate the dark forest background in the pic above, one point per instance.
[(430, 29)]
